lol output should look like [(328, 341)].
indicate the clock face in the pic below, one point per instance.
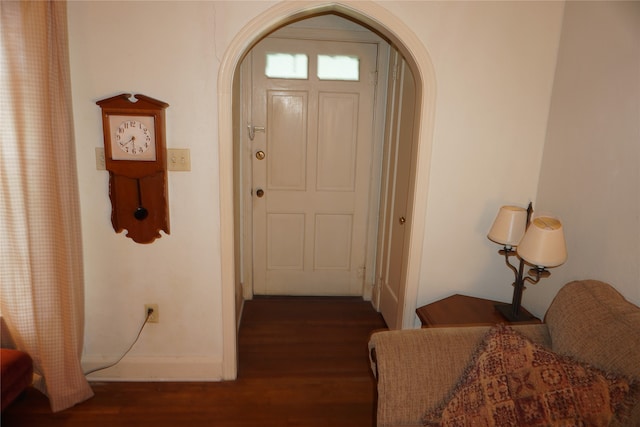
[(132, 138)]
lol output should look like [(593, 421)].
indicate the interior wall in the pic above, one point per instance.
[(494, 65), (590, 172), (170, 51)]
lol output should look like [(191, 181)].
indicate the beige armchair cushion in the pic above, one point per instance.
[(581, 320), (417, 369), (591, 321)]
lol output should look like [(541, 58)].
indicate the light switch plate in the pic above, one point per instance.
[(100, 164), (178, 159)]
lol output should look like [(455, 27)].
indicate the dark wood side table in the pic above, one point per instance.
[(463, 310)]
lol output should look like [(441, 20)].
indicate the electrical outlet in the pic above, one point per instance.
[(155, 316)]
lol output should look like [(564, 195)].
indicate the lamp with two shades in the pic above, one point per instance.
[(536, 241)]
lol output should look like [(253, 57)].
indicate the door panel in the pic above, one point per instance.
[(337, 141), (286, 241), (287, 136), (310, 224), (332, 250), (399, 151)]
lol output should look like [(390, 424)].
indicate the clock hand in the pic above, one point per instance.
[(122, 144)]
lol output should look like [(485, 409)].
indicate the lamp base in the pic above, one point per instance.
[(507, 312)]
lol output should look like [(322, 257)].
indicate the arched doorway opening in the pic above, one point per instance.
[(382, 22)]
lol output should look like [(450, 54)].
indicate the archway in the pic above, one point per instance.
[(380, 20)]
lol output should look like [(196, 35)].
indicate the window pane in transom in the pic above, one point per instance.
[(287, 66), (338, 67)]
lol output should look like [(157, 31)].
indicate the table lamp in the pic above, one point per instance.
[(538, 242)]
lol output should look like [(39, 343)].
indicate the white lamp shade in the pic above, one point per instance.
[(543, 244), (509, 226)]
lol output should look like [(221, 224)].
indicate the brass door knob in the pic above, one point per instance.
[(402, 220), (260, 155), (259, 192)]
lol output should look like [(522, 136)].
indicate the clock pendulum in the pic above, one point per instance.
[(141, 212)]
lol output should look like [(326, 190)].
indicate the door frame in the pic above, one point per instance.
[(381, 21), (245, 150)]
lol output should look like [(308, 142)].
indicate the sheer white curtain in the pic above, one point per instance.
[(41, 272)]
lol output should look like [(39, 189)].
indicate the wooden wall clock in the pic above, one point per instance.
[(135, 156)]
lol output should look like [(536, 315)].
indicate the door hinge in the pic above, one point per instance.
[(395, 72), (373, 77)]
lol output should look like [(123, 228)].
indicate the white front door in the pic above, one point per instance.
[(312, 119)]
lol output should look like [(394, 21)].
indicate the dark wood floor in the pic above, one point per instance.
[(302, 362)]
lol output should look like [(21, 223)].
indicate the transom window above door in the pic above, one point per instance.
[(296, 66), (287, 66), (338, 67)]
